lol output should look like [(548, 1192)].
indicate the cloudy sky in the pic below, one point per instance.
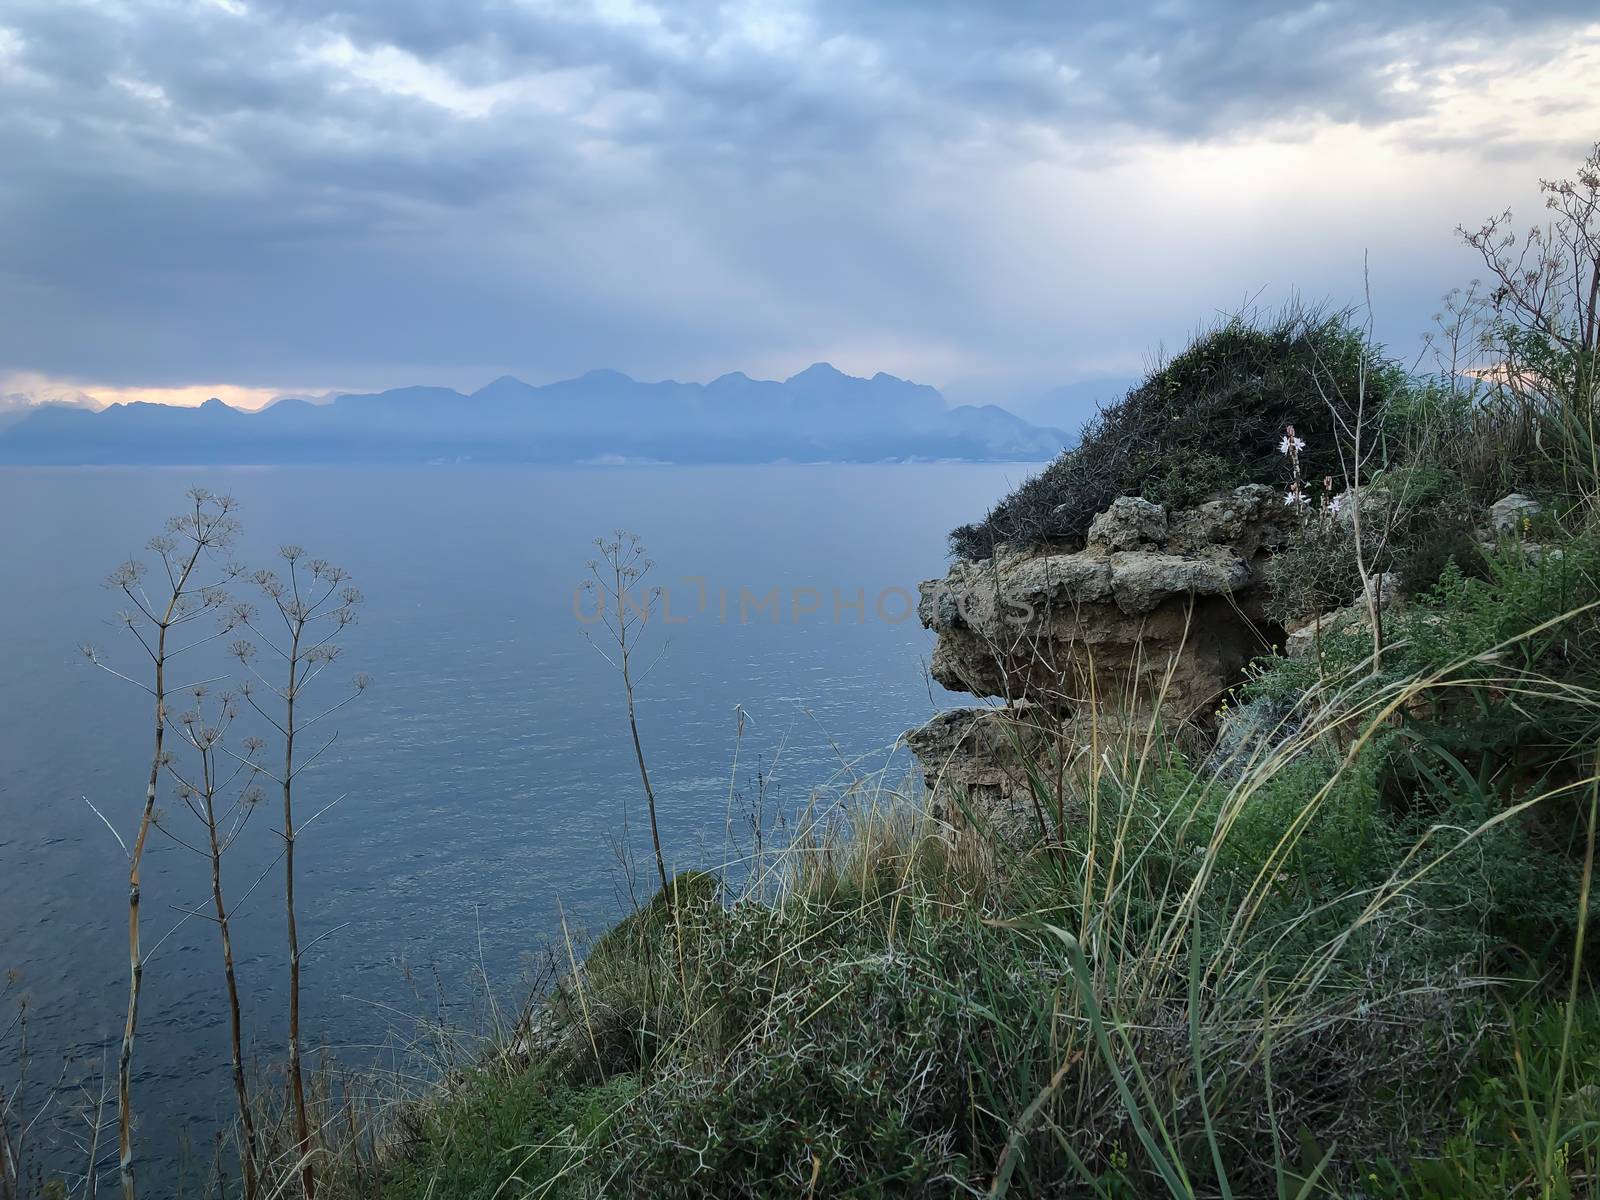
[(248, 197)]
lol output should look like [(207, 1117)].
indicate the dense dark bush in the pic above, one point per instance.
[(801, 1092), (1317, 572), (1205, 422)]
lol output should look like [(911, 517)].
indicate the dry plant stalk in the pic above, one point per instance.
[(200, 794), (202, 531), (315, 603), (1355, 455), (1547, 285), (1550, 281), (13, 1144), (625, 567), (93, 1115)]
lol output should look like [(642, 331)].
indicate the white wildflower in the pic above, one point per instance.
[(1289, 444), (1334, 505)]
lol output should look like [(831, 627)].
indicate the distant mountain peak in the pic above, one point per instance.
[(818, 372), (820, 414), (18, 406), (505, 386)]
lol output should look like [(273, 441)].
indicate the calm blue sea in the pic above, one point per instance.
[(484, 775)]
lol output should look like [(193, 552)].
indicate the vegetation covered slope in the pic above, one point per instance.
[(1204, 422)]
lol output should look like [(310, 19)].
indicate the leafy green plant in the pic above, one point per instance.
[(1535, 1075), (499, 1134), (1204, 422)]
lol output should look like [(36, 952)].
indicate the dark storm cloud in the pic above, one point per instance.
[(276, 190), (1184, 67)]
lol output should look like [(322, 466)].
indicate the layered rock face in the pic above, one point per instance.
[(981, 756), (1153, 592), (1158, 608)]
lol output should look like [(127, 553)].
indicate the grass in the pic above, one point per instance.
[(499, 1133), (1325, 964), (1346, 958), (1197, 984), (1527, 1115)]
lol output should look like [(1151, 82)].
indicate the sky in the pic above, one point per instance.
[(248, 198)]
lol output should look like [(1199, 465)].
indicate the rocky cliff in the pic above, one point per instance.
[(1158, 610)]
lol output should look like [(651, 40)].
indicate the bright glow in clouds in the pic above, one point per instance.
[(36, 389), (243, 198), (195, 393)]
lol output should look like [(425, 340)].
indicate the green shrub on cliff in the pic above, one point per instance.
[(1207, 421), (1528, 1115), (1419, 523), (832, 1059), (1520, 642), (1498, 739)]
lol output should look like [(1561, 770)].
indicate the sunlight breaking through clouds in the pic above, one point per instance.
[(384, 191)]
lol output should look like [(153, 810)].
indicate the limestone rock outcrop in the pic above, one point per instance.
[(980, 755), (1510, 515), (1130, 522), (1157, 606)]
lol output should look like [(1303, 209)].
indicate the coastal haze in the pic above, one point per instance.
[(819, 414)]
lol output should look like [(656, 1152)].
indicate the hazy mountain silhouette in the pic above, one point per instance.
[(820, 414), (1070, 406), (19, 406)]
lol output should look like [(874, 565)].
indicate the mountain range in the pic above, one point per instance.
[(821, 414), (19, 406)]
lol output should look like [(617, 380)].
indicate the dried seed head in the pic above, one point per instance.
[(128, 574)]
